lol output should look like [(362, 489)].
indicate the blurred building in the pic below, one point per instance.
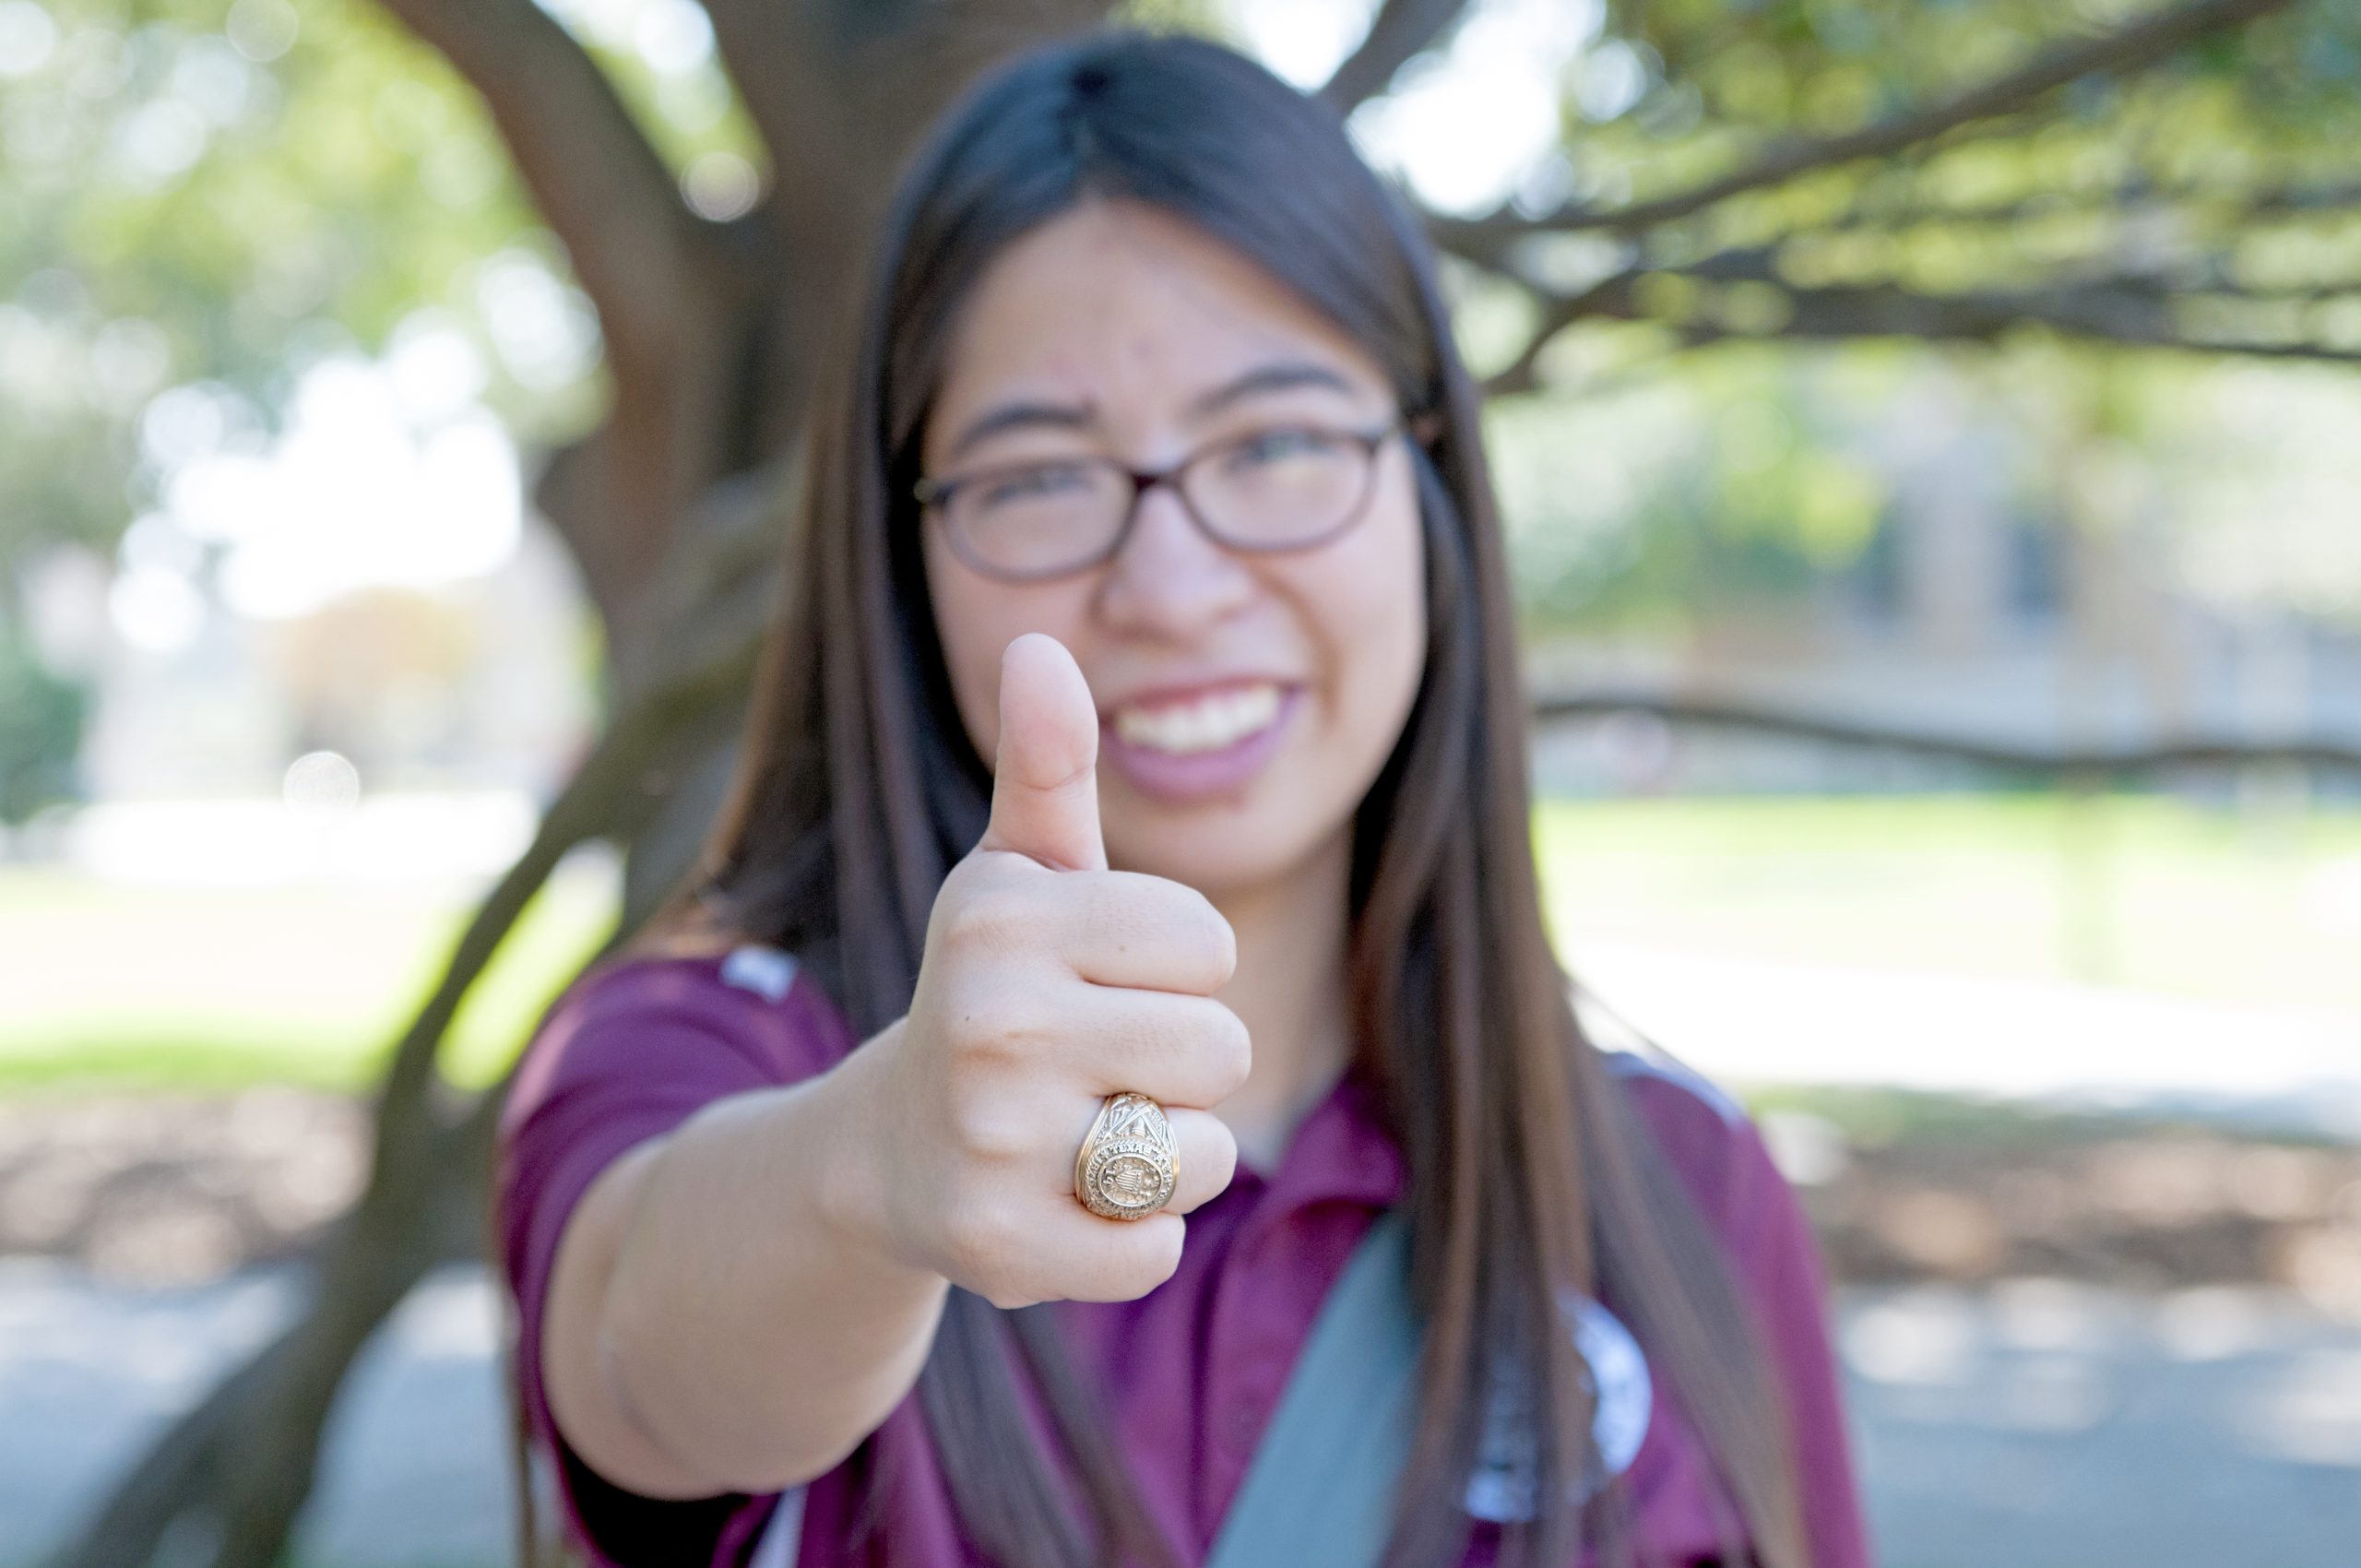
[(1967, 614), (482, 684)]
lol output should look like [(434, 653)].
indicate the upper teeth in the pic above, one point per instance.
[(1220, 719)]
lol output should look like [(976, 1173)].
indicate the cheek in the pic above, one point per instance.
[(1372, 607), (976, 619), (964, 626), (1405, 610)]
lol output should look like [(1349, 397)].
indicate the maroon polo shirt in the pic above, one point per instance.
[(1194, 1368)]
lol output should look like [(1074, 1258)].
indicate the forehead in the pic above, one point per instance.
[(1133, 310)]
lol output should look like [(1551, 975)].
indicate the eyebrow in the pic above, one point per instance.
[(1020, 415), (1278, 376)]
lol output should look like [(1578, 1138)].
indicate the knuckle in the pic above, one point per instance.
[(963, 1260), (994, 1027), (1234, 1048), (1215, 944), (979, 1247), (1160, 1247), (1226, 1152), (989, 921), (984, 1130), (1118, 914), (1020, 1035), (1208, 1161), (1137, 1034), (952, 901), (1188, 933)]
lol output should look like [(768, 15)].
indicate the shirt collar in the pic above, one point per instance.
[(1341, 1152)]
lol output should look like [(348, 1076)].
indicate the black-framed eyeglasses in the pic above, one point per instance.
[(1277, 487)]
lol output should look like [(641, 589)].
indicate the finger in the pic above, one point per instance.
[(1130, 929), (1089, 1258), (1044, 769), (1176, 1050), (1098, 1259), (1208, 1158)]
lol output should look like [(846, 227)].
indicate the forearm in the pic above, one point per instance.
[(752, 1326)]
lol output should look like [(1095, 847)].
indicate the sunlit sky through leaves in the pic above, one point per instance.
[(1477, 124), (401, 465), (392, 471)]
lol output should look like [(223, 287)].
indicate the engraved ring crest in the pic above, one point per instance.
[(1130, 1162)]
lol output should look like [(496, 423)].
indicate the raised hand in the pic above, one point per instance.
[(1049, 981)]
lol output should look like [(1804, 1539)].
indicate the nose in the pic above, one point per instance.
[(1171, 578)]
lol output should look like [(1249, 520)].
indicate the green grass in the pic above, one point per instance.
[(2138, 891), (1875, 1117), (219, 988)]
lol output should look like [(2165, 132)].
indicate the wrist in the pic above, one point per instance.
[(853, 1198)]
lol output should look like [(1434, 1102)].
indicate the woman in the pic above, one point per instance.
[(794, 1197)]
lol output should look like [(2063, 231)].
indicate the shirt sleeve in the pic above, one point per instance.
[(630, 1051), (1768, 1238)]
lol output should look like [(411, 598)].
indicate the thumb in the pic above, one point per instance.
[(1045, 774)]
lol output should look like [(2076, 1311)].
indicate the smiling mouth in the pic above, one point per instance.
[(1203, 724)]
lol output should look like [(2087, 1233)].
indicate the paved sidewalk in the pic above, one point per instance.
[(415, 1469), (2040, 1424), (2036, 1424)]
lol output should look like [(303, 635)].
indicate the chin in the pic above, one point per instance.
[(1217, 855)]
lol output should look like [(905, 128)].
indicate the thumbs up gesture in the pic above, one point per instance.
[(1048, 983)]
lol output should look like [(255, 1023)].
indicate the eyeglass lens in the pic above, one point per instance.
[(1270, 490)]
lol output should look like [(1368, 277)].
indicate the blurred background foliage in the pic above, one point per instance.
[(205, 201)]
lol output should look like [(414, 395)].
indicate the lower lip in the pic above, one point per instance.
[(1197, 776)]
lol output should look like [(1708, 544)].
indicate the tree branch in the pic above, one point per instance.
[(2290, 203), (2135, 315), (839, 91), (1558, 312), (783, 74), (1400, 29), (2135, 44), (590, 169), (2132, 310), (2324, 754), (829, 85)]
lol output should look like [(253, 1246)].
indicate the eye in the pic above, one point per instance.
[(1046, 480), (1278, 444)]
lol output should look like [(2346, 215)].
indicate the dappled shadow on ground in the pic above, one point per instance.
[(175, 1189), (2149, 1205), (2067, 1341)]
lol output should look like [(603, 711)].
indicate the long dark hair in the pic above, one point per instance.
[(858, 789)]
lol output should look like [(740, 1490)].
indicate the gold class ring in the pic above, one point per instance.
[(1129, 1163)]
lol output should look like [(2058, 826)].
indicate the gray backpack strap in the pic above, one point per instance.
[(1320, 1486)]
